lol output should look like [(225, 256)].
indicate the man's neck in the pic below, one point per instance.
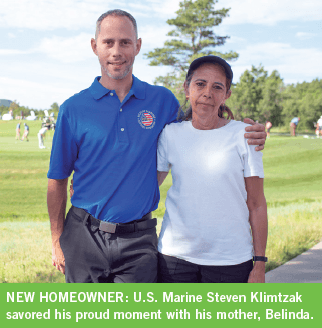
[(121, 87)]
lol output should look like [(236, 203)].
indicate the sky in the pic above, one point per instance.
[(46, 57)]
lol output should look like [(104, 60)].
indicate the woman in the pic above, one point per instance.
[(217, 192)]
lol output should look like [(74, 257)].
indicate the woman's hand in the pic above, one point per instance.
[(257, 275)]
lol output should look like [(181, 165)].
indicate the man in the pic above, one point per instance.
[(25, 133), (18, 131), (319, 127), (41, 134), (293, 125), (107, 134), (268, 126)]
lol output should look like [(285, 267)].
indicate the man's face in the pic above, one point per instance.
[(116, 46)]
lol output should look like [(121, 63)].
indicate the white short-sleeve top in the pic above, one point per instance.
[(206, 220)]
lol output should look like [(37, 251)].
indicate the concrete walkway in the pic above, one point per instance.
[(306, 268)]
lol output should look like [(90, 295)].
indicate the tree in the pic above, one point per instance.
[(54, 107), (14, 106), (303, 100), (192, 37), (270, 106), (247, 93)]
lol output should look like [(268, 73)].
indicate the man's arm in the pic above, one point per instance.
[(56, 202), (258, 221), (161, 177), (257, 135)]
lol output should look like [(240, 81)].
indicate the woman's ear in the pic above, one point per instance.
[(186, 89)]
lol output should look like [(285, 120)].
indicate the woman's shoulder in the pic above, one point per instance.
[(175, 127), (238, 125)]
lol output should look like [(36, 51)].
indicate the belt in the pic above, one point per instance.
[(146, 222)]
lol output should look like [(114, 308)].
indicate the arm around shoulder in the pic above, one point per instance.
[(255, 134)]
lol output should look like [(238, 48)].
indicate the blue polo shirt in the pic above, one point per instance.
[(111, 147), (295, 120)]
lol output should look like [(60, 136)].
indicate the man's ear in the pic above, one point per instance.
[(138, 45), (94, 46)]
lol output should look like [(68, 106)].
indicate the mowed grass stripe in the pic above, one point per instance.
[(293, 178)]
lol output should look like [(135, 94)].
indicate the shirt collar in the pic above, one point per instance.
[(98, 91)]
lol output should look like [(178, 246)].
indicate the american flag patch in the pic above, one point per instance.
[(146, 119)]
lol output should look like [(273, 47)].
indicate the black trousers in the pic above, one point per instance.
[(174, 270), (94, 256)]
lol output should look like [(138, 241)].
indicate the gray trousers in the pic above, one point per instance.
[(92, 255)]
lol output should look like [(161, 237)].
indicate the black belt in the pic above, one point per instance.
[(146, 222)]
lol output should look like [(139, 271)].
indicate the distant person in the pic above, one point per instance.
[(41, 134), (18, 131), (293, 125), (25, 133), (319, 127), (268, 126)]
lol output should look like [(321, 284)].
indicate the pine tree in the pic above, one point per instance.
[(192, 37)]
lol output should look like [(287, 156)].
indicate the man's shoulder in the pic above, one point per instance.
[(76, 100), (158, 89)]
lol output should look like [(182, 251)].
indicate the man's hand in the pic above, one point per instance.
[(58, 259), (257, 135), (257, 275), (56, 201)]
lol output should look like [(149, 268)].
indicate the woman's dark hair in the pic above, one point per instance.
[(187, 116)]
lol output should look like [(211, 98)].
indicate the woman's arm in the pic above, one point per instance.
[(161, 177), (257, 207)]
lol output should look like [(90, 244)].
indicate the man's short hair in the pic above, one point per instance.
[(115, 12)]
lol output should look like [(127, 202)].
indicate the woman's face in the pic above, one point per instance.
[(207, 89)]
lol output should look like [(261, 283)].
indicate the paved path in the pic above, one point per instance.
[(306, 267)]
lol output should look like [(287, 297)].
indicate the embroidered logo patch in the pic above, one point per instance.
[(146, 119)]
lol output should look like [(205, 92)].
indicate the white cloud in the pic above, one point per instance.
[(164, 8), (154, 36), (235, 39), (305, 35), (298, 64), (68, 50), (65, 50), (29, 91), (269, 12), (10, 52), (74, 14), (51, 14)]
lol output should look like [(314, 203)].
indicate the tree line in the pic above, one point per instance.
[(256, 95), (265, 97), (17, 110)]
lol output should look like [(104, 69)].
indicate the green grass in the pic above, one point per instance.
[(293, 178), (25, 251)]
